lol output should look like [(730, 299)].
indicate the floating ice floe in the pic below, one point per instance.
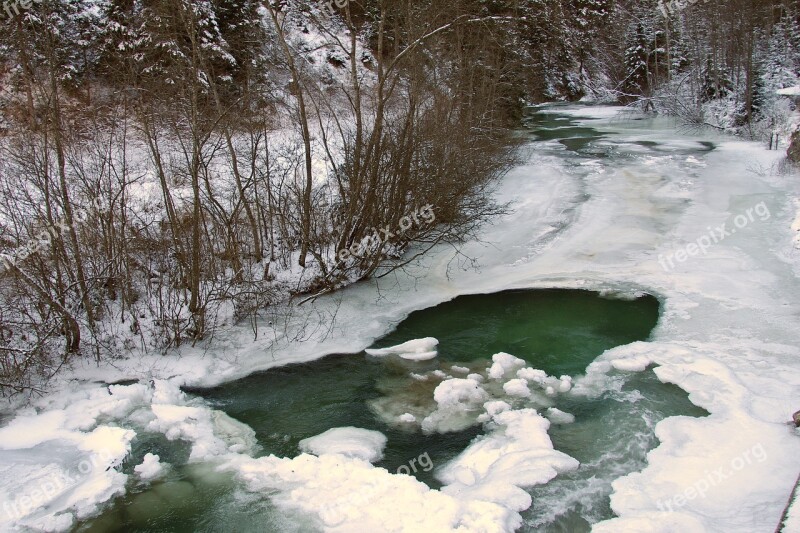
[(413, 350), (495, 467), (350, 495), (348, 441), (557, 416), (150, 468), (453, 403), (457, 401), (504, 363), (211, 432), (517, 387), (60, 465)]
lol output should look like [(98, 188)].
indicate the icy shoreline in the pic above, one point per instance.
[(727, 336)]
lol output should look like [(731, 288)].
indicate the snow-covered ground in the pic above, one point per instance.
[(709, 232)]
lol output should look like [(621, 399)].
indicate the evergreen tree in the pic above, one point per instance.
[(637, 54)]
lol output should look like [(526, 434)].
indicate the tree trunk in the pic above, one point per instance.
[(794, 147)]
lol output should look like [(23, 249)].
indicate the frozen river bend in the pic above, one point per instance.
[(607, 202)]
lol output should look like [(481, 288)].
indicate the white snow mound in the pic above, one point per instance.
[(348, 441), (150, 468)]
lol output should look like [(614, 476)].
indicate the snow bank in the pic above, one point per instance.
[(348, 441)]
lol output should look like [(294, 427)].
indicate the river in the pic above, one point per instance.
[(626, 330)]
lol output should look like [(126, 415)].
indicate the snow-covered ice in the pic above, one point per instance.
[(348, 441), (518, 453), (413, 350), (151, 467)]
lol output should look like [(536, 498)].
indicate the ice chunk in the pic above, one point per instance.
[(350, 495), (557, 416), (517, 453), (517, 387), (632, 364), (503, 364), (532, 375), (408, 418), (211, 432), (59, 465), (150, 468), (457, 404), (421, 356), (495, 407), (413, 350), (348, 441), (457, 391), (62, 479)]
